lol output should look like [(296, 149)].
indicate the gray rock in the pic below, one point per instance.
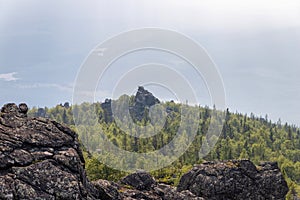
[(108, 115), (40, 159), (143, 100), (108, 190), (23, 108), (236, 179), (143, 186), (140, 181)]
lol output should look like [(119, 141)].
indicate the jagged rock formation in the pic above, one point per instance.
[(108, 115), (143, 100), (40, 159), (235, 180)]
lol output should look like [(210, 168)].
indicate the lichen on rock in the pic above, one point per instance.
[(236, 179), (40, 159)]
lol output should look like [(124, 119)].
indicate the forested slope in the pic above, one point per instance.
[(242, 136)]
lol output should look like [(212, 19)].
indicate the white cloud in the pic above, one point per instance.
[(9, 76), (100, 51), (219, 15), (67, 87)]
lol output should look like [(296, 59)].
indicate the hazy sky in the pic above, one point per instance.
[(255, 44)]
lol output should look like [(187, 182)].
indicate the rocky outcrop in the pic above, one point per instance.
[(143, 100), (107, 111), (40, 159), (141, 185), (108, 190), (140, 181), (235, 180)]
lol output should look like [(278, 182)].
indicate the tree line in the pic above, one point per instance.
[(241, 137)]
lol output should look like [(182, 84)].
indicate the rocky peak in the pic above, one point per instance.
[(143, 100), (108, 115)]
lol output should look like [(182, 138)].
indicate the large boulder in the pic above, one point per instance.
[(140, 181), (141, 185), (40, 159), (237, 179), (108, 190)]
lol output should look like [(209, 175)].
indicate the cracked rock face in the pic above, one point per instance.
[(39, 159), (237, 179)]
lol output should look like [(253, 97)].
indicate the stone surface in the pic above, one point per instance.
[(237, 179), (139, 181), (107, 111), (143, 100), (40, 159), (107, 189), (141, 185)]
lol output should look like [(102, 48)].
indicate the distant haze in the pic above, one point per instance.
[(255, 45)]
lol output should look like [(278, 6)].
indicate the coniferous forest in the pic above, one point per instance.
[(244, 136)]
